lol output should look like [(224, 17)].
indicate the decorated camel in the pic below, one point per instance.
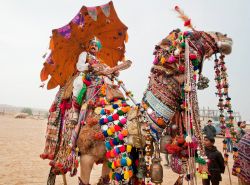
[(91, 117)]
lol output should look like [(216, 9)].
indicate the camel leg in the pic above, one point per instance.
[(105, 174), (86, 163)]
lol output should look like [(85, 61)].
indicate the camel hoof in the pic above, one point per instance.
[(80, 182)]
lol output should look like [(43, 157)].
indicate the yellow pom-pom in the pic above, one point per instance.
[(113, 165), (237, 170), (129, 161), (129, 148), (126, 175), (163, 60), (109, 132), (204, 176)]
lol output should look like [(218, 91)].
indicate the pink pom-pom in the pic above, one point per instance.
[(120, 136), (156, 61), (106, 120), (123, 121), (171, 59)]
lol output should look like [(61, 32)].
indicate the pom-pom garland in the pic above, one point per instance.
[(113, 125)]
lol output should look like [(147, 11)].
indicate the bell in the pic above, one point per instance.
[(141, 169), (167, 139), (156, 171)]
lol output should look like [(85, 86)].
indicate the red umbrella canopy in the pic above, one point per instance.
[(69, 41)]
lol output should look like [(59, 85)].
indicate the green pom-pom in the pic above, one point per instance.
[(183, 45), (200, 160), (110, 165), (195, 62), (120, 112)]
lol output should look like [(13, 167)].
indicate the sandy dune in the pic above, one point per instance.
[(21, 142)]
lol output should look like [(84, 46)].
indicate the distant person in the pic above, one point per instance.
[(209, 130), (228, 140), (215, 162), (241, 166), (241, 129)]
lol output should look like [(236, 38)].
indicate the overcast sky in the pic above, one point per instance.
[(26, 26)]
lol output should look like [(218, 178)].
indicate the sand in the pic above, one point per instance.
[(21, 142)]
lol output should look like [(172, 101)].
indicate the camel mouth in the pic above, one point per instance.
[(224, 43), (225, 46)]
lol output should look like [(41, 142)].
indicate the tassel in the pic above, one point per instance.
[(187, 21), (81, 94)]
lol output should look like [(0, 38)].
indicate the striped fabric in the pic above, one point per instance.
[(243, 161)]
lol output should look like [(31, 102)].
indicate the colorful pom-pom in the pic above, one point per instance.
[(112, 142), (108, 146), (109, 132), (112, 129), (115, 106), (183, 45), (123, 121), (122, 148), (171, 59), (120, 136), (113, 165), (117, 128), (126, 175), (108, 154), (156, 61), (102, 112), (123, 162), (192, 56), (118, 176), (110, 164), (112, 154), (106, 120), (163, 60), (120, 112), (101, 121), (129, 161), (115, 117), (110, 118), (124, 132), (116, 141), (105, 133), (129, 148)]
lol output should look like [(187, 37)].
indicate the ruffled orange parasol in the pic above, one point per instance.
[(69, 41)]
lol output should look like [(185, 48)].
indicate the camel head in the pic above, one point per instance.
[(223, 42)]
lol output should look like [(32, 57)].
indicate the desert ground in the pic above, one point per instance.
[(21, 142)]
